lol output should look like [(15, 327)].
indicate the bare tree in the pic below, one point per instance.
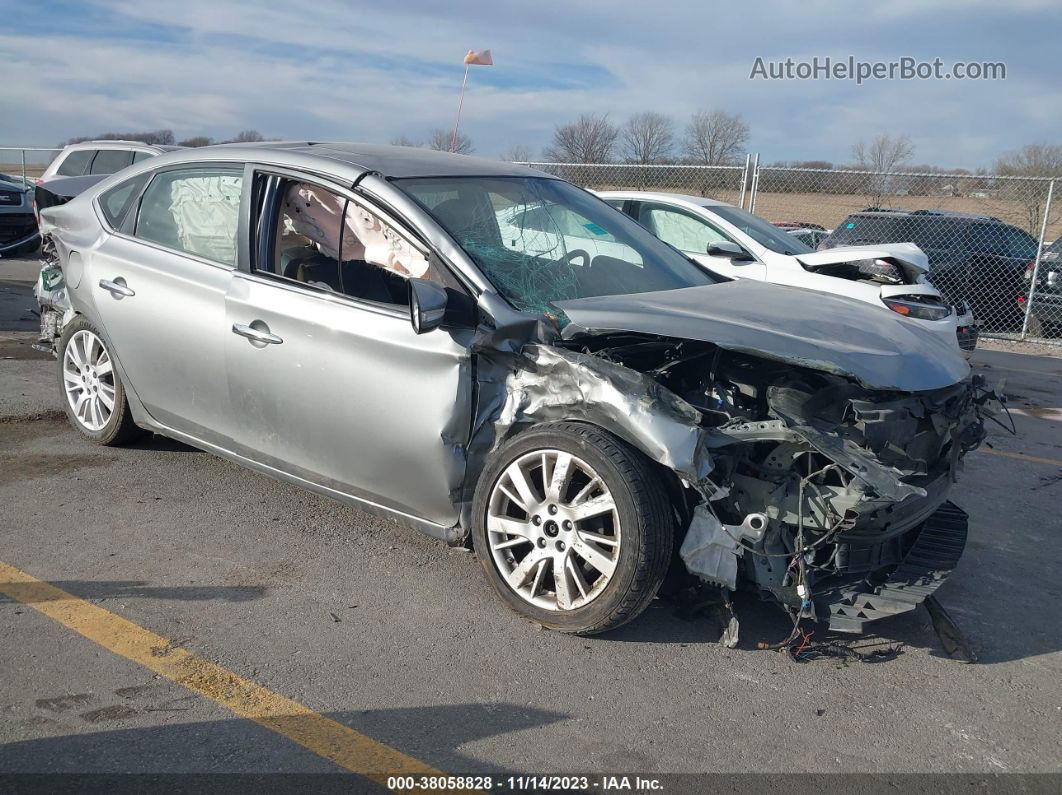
[(441, 139), (196, 140), (517, 153), (246, 137), (883, 155), (647, 138), (1032, 160), (403, 140), (715, 137), (162, 137), (588, 139), (884, 152)]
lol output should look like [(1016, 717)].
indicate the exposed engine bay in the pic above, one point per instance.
[(819, 490)]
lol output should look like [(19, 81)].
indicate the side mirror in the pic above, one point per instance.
[(427, 305), (724, 248)]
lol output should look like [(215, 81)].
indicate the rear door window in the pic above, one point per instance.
[(115, 203), (107, 161), (76, 163), (1020, 244), (986, 239), (194, 210)]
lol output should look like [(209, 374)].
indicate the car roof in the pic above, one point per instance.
[(700, 201), (954, 215), (119, 144), (388, 161)]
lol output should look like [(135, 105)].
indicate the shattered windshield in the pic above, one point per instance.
[(542, 240)]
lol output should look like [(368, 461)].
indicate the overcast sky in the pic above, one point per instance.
[(332, 70)]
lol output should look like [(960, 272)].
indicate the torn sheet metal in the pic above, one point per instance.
[(885, 481), (910, 257), (51, 293), (551, 384), (710, 548), (829, 333), (709, 551)]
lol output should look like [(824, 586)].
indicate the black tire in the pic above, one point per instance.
[(642, 507), (120, 428)]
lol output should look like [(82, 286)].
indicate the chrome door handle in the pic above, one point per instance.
[(114, 288), (254, 335)]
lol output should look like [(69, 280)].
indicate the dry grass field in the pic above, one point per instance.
[(829, 209)]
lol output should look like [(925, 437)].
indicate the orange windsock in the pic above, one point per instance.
[(481, 58)]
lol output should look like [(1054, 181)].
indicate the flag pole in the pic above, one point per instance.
[(460, 104)]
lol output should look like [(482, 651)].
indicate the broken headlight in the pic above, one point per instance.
[(917, 307)]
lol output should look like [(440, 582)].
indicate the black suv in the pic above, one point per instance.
[(973, 259), (1045, 315)]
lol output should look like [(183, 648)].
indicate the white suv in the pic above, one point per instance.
[(99, 158)]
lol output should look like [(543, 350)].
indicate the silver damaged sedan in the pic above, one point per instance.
[(498, 358)]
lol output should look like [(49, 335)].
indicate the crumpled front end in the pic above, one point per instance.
[(825, 495)]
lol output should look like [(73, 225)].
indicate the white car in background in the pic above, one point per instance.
[(99, 158), (541, 228), (735, 243)]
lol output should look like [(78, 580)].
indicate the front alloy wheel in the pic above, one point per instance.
[(572, 527), (554, 530)]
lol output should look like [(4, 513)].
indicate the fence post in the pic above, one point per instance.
[(24, 167), (744, 179), (1036, 262), (755, 183)]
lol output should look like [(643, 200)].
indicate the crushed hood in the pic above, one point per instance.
[(878, 348), (907, 254)]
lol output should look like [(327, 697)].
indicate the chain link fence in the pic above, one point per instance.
[(725, 183), (993, 242), (25, 164)]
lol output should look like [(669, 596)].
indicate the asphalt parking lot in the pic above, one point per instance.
[(394, 644)]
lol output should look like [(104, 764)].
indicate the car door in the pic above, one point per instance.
[(159, 288), (328, 379), (692, 234)]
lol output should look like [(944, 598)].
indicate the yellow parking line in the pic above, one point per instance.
[(1051, 462), (325, 737)]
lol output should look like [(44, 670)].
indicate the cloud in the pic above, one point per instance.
[(338, 70)]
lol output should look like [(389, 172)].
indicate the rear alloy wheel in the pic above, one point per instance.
[(94, 398), (573, 528)]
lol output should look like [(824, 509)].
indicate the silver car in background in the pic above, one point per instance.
[(390, 327)]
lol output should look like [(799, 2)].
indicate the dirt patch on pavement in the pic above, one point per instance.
[(19, 430), (21, 349), (16, 468)]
